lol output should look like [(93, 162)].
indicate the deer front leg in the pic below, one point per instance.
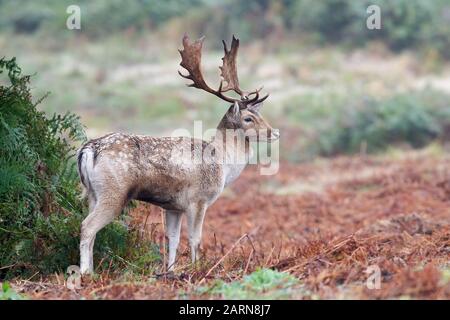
[(173, 229), (195, 218)]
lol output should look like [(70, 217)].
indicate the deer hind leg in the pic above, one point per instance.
[(103, 212), (195, 218), (173, 229), (92, 202)]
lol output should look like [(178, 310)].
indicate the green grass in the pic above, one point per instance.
[(8, 293), (446, 276), (261, 284)]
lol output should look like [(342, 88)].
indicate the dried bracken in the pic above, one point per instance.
[(393, 214)]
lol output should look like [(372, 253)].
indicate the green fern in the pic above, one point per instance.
[(40, 208)]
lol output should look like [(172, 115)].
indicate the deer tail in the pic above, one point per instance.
[(85, 161)]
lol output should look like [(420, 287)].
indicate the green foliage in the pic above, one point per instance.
[(328, 20), (98, 18), (38, 187), (408, 23), (445, 276), (125, 250), (261, 284), (8, 293), (336, 125), (405, 23), (40, 208)]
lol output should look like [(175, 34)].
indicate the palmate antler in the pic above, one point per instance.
[(191, 56)]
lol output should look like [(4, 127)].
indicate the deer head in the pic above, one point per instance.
[(244, 112)]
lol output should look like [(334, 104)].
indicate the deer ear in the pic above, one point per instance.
[(255, 107), (233, 112), (236, 108)]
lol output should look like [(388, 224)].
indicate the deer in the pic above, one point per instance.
[(118, 167)]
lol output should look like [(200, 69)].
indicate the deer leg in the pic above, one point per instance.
[(92, 202), (103, 213), (195, 224), (173, 229)]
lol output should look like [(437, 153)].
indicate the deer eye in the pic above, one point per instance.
[(248, 120)]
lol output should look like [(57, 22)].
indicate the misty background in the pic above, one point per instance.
[(335, 86)]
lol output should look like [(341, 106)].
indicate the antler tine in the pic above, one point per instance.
[(260, 100), (191, 56), (256, 93), (229, 67), (230, 76), (256, 99)]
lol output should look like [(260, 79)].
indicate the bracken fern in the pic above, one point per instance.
[(40, 207)]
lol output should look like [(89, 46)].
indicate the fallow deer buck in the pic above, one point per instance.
[(117, 168)]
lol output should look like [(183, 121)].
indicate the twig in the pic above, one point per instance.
[(109, 267), (100, 263), (248, 262), (57, 279), (251, 243), (340, 243), (127, 262), (141, 234), (32, 276), (7, 267), (223, 257), (269, 256)]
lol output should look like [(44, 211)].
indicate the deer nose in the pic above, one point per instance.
[(275, 134)]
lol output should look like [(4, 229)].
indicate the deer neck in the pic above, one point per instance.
[(234, 149)]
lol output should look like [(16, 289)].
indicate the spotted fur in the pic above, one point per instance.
[(118, 167)]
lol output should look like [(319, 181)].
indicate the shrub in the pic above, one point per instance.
[(406, 24), (40, 208), (415, 118), (328, 20), (98, 18)]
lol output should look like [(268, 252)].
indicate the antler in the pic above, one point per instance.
[(256, 99), (229, 74), (191, 59), (229, 69), (191, 56)]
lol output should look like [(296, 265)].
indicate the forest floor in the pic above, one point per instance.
[(325, 227)]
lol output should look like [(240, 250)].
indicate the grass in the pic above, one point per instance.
[(261, 284), (446, 276), (8, 293)]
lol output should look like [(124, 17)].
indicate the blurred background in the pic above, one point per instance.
[(338, 92), (335, 86)]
